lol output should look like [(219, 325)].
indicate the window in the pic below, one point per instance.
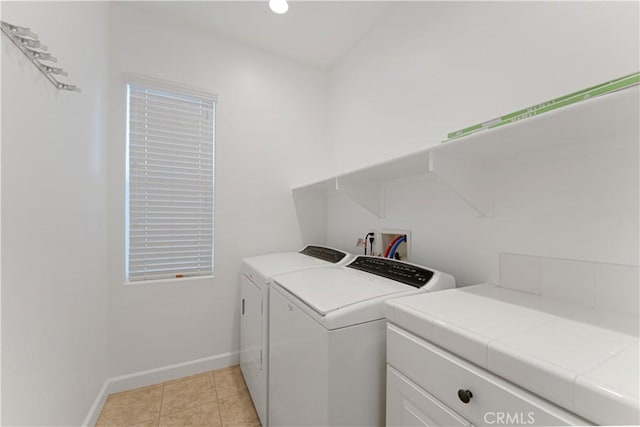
[(170, 161)]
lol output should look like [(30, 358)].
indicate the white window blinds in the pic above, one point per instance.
[(170, 160)]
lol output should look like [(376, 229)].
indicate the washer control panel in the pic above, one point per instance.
[(325, 254), (395, 270)]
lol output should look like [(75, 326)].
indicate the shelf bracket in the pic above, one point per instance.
[(368, 195), (470, 180), (311, 211)]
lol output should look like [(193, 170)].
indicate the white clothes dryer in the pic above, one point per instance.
[(327, 333), (255, 277)]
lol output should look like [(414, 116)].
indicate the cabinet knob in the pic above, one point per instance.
[(465, 395)]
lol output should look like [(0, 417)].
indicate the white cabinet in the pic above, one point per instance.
[(464, 390), (251, 351), (410, 406)]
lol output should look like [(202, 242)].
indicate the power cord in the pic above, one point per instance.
[(370, 241)]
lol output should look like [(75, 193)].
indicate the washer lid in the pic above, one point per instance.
[(329, 289), (311, 256), (284, 262)]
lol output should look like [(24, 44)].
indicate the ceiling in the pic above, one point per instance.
[(313, 32)]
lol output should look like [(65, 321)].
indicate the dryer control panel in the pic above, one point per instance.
[(395, 270), (325, 254)]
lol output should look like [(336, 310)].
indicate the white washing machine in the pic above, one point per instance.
[(256, 274), (327, 332)]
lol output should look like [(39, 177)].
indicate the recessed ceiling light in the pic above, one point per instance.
[(279, 6)]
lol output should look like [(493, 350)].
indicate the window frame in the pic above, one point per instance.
[(183, 90)]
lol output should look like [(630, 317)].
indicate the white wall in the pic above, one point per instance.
[(54, 293), (582, 207), (430, 68), (426, 69), (270, 127)]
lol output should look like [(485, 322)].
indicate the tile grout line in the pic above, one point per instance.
[(161, 402), (184, 409), (132, 391), (215, 385), (190, 408)]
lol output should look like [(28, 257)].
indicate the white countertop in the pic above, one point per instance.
[(581, 358)]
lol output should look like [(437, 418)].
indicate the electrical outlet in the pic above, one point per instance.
[(403, 249), (365, 242)]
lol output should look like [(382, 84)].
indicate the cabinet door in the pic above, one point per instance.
[(410, 406)]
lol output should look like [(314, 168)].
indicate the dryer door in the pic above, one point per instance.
[(251, 329)]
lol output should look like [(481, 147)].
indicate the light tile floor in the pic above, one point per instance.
[(214, 399)]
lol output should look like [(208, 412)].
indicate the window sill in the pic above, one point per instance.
[(171, 281)]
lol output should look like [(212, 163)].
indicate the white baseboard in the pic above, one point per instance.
[(156, 376), (96, 408)]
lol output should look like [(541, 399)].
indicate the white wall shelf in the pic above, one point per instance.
[(467, 165)]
